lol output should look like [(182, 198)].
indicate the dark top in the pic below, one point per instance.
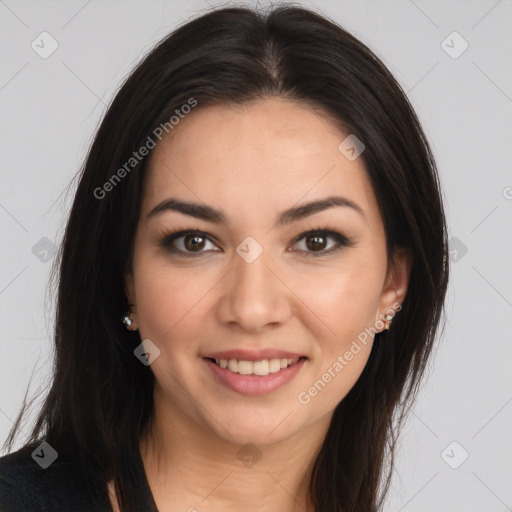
[(64, 485)]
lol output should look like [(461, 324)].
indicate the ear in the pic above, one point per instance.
[(396, 283), (129, 290), (129, 287)]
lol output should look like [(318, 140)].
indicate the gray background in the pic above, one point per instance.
[(51, 107)]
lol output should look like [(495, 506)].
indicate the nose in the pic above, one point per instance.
[(254, 296)]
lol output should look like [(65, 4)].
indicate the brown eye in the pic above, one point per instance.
[(316, 242), (320, 242), (194, 242), (187, 243)]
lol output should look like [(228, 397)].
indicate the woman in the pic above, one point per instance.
[(250, 285)]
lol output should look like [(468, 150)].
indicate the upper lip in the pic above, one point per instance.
[(254, 355)]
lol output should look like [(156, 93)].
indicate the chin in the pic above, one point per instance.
[(255, 427)]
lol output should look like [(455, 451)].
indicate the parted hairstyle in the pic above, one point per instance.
[(100, 400)]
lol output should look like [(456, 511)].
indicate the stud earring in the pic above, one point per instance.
[(387, 319), (128, 322)]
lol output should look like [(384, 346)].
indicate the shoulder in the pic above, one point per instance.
[(35, 479)]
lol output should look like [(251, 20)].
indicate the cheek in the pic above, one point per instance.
[(339, 357), (345, 299), (167, 298)]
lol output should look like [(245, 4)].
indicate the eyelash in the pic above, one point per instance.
[(167, 239)]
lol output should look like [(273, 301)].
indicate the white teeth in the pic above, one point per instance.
[(263, 367), (244, 367), (274, 365)]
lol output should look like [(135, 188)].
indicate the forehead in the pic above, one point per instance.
[(255, 159)]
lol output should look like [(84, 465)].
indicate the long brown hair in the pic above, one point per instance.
[(100, 398)]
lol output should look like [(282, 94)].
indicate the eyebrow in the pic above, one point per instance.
[(289, 216)]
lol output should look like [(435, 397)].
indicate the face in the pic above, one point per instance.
[(247, 282)]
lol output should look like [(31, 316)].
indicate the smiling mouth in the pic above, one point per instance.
[(259, 368)]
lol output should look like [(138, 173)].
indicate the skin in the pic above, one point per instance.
[(253, 162)]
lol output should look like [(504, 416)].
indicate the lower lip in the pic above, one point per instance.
[(255, 384)]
